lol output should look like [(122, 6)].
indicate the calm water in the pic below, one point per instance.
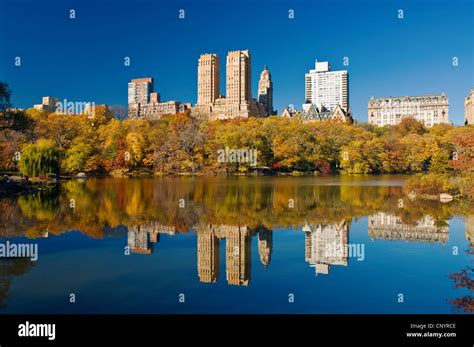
[(236, 245)]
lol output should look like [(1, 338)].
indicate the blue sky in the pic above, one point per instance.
[(83, 59)]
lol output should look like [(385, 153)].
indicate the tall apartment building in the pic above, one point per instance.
[(238, 77), (265, 90), (326, 89), (139, 90), (469, 108), (238, 101), (430, 110), (143, 102), (208, 79)]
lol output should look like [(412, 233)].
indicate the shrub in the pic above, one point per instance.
[(427, 185)]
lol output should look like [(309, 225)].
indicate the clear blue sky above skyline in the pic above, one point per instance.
[(83, 59)]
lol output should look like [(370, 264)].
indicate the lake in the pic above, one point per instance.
[(336, 244)]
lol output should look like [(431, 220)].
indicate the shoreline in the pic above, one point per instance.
[(17, 185)]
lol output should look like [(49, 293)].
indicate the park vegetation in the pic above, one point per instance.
[(37, 143)]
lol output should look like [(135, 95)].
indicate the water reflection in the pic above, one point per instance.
[(470, 229), (141, 238), (234, 211), (320, 238), (387, 226)]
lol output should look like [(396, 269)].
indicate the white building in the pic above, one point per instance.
[(325, 88), (48, 104), (430, 110)]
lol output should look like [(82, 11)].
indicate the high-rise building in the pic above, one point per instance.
[(265, 90), (326, 89), (139, 90), (469, 108), (430, 110), (208, 79), (143, 102), (238, 77), (238, 101)]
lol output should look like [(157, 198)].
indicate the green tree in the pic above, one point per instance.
[(40, 159)]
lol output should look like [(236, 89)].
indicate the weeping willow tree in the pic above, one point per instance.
[(40, 159)]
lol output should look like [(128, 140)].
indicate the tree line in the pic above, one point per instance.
[(38, 143)]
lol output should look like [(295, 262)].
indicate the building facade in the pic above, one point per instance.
[(144, 103), (469, 108), (48, 104), (326, 89), (430, 110), (265, 90), (238, 101), (139, 90), (238, 77), (208, 79)]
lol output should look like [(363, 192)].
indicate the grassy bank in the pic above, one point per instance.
[(430, 186)]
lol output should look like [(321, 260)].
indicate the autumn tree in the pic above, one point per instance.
[(61, 128), (463, 141), (187, 136), (409, 125)]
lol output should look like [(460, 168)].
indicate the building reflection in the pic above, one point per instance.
[(320, 239), (386, 226), (208, 255), (238, 251), (469, 223), (142, 237), (326, 245), (265, 245)]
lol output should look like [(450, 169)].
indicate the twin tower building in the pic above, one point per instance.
[(238, 101)]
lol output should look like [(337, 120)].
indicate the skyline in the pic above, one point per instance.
[(87, 53)]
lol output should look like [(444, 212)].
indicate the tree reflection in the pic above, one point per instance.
[(10, 268), (96, 205)]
